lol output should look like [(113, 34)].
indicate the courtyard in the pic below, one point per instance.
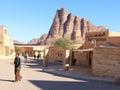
[(37, 77)]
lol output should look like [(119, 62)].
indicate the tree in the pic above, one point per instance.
[(19, 49), (64, 43)]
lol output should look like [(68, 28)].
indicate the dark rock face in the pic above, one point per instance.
[(76, 34), (57, 28), (69, 26)]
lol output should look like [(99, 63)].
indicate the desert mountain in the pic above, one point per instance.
[(68, 26)]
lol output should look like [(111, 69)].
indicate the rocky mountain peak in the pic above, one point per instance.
[(67, 25), (70, 26)]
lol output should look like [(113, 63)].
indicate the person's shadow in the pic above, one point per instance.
[(6, 80)]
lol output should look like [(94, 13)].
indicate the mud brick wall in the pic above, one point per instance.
[(55, 54), (114, 40), (81, 58), (106, 62)]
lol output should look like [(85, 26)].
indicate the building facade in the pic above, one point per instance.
[(99, 39), (6, 43), (100, 53), (106, 61), (32, 50)]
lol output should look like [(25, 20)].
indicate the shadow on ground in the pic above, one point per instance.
[(74, 85), (34, 63), (80, 84), (4, 80)]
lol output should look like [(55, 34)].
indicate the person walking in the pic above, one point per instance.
[(34, 56), (25, 57), (38, 56), (17, 65)]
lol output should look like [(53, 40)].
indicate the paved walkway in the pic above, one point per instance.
[(36, 77)]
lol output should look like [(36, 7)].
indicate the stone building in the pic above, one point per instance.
[(102, 38), (95, 39), (106, 61), (31, 50), (56, 56), (6, 43), (84, 55), (100, 53)]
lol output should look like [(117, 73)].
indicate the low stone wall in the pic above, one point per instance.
[(106, 62), (55, 54)]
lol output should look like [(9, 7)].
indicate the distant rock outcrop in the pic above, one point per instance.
[(69, 26), (34, 41), (18, 42), (38, 40)]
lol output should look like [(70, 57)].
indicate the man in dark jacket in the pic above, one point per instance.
[(17, 64)]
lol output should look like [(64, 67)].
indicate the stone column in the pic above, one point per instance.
[(70, 63), (45, 60), (64, 60)]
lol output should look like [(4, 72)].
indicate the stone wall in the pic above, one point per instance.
[(106, 62), (55, 54)]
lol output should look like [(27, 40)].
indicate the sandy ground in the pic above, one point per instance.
[(29, 75), (35, 77)]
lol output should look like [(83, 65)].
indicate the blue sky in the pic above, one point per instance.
[(28, 19)]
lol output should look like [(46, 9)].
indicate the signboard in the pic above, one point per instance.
[(98, 36)]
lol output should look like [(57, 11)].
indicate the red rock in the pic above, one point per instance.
[(69, 26)]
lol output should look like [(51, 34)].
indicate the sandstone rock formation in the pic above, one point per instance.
[(34, 41), (38, 40), (69, 26), (42, 39)]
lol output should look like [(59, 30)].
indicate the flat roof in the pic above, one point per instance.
[(31, 45), (26, 45), (90, 49), (114, 34)]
